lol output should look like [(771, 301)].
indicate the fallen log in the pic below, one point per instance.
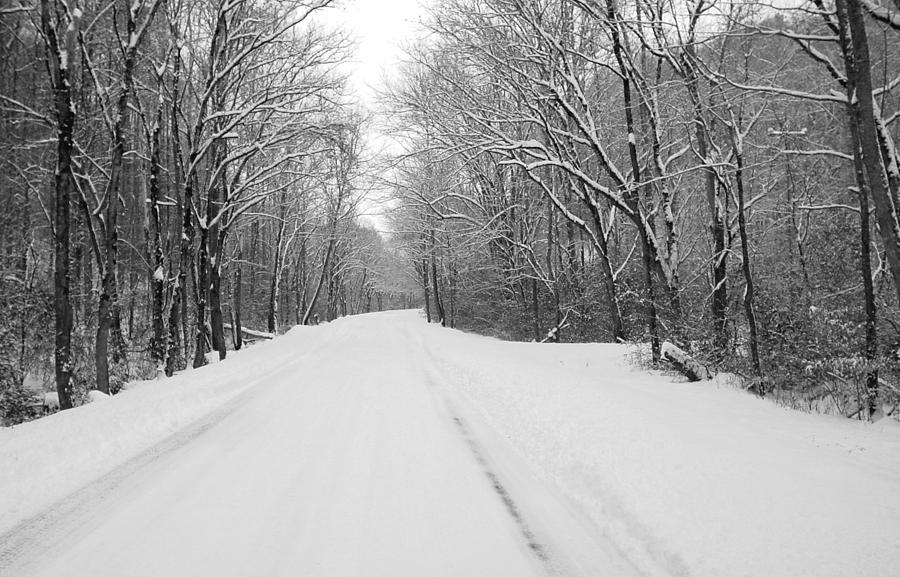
[(552, 333), (250, 334), (685, 364)]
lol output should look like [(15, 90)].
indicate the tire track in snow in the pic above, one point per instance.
[(540, 551), (562, 539), (512, 508)]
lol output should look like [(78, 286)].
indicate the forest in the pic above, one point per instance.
[(174, 173), (718, 175)]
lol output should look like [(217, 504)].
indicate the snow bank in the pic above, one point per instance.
[(95, 396), (46, 459), (688, 478)]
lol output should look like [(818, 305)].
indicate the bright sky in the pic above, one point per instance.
[(380, 27)]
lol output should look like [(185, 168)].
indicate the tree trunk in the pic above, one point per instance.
[(617, 327), (217, 323), (425, 276), (101, 346), (64, 184), (850, 17), (865, 265), (178, 336), (237, 337), (178, 319), (452, 281), (22, 266), (864, 189), (632, 194), (175, 354), (202, 333), (272, 315), (109, 315), (315, 296), (652, 317), (300, 293), (331, 291), (363, 292), (216, 240), (717, 218), (438, 302), (749, 291), (153, 236), (553, 239), (254, 258)]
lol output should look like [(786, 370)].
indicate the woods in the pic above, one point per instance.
[(697, 172), (433, 287), (719, 175), (171, 168)]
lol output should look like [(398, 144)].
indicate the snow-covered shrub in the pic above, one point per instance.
[(639, 355), (51, 402), (17, 402), (814, 360), (25, 346), (841, 384)]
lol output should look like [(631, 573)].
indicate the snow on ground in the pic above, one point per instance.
[(379, 445), (688, 478), (46, 459)]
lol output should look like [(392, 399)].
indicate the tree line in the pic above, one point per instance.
[(173, 171), (721, 174)]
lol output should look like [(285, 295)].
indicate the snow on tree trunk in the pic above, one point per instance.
[(57, 63), (858, 71)]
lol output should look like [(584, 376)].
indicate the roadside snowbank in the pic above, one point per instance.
[(46, 459), (688, 478)]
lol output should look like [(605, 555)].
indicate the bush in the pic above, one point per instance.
[(17, 402)]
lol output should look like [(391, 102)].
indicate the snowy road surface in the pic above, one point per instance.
[(379, 445), (351, 462)]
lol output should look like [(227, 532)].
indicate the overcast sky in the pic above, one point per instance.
[(380, 28)]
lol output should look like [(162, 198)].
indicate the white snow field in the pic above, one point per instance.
[(378, 445)]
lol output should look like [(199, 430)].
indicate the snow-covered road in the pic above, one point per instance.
[(354, 461), (380, 445)]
